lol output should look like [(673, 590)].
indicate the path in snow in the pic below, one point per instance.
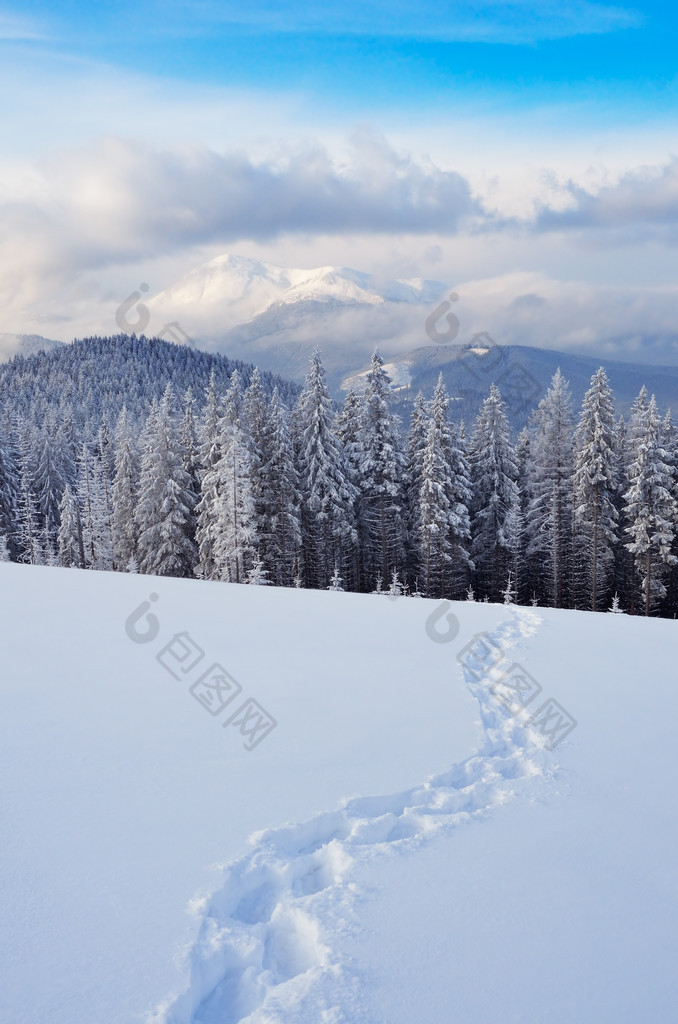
[(263, 953)]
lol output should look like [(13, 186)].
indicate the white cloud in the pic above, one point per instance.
[(644, 200), (487, 21), (118, 202)]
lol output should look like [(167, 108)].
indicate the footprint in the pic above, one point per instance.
[(262, 929)]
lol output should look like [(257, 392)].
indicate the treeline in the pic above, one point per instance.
[(86, 383), (255, 488)]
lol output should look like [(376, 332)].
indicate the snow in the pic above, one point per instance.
[(231, 289), (400, 374), (420, 854)]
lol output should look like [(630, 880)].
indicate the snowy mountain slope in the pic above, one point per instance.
[(493, 880), (253, 310), (229, 289), (262, 949), (120, 791), (523, 374), (275, 316), (96, 376)]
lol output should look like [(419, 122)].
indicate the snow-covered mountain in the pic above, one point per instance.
[(24, 345), (522, 373), (419, 851), (275, 316)]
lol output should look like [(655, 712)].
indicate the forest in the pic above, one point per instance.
[(136, 455)]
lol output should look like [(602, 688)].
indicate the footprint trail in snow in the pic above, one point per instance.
[(263, 953)]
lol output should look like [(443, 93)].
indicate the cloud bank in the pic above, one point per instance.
[(645, 198), (120, 201)]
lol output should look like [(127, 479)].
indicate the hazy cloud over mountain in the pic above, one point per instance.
[(508, 139)]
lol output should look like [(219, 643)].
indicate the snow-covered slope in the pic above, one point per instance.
[(258, 311), (229, 289), (469, 874), (522, 374)]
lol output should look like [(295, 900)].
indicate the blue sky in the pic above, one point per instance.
[(418, 52), (508, 138)]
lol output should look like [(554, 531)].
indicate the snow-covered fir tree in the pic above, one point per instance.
[(124, 492), (396, 587), (595, 512), (509, 594), (348, 430), (256, 415), (328, 528), (381, 476), (236, 522), (549, 513), (530, 578), (257, 575), (9, 495), (48, 485), (96, 527), (651, 507), (207, 510), (190, 443), (495, 493), (414, 464), (69, 540), (670, 442), (624, 581), (458, 488), (27, 530), (166, 506), (281, 532), (434, 517), (336, 583)]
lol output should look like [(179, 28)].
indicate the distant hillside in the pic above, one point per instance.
[(523, 375), (25, 345), (96, 376)]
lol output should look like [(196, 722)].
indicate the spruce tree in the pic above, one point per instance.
[(456, 572), (549, 515), (530, 581), (595, 513), (188, 439), (348, 431), (124, 493), (48, 487), (670, 442), (256, 414), (208, 508), (28, 529), (413, 474), (69, 538), (328, 528), (495, 494), (237, 536), (652, 509), (281, 538), (381, 476), (9, 496), (165, 510), (434, 517)]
